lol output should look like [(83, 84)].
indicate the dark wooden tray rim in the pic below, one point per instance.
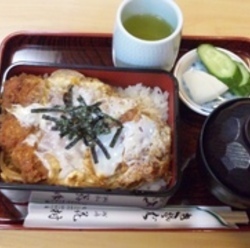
[(90, 49)]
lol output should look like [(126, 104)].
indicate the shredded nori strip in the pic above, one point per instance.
[(82, 122)]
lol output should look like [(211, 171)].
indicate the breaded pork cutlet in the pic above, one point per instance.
[(24, 89)]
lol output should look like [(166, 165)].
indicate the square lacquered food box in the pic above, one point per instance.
[(117, 77)]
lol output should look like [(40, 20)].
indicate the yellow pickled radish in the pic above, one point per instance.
[(203, 87)]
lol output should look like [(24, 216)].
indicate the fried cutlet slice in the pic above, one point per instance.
[(24, 89), (24, 159), (11, 132)]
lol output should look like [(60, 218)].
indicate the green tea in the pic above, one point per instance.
[(148, 27)]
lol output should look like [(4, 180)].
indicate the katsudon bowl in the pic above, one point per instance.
[(107, 177)]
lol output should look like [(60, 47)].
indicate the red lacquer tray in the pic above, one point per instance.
[(95, 50)]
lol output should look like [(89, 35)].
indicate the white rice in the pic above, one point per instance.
[(153, 98), (157, 101)]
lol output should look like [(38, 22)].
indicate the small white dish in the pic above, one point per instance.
[(188, 61)]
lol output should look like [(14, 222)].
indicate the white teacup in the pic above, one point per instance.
[(130, 51)]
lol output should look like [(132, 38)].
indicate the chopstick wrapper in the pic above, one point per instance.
[(65, 214)]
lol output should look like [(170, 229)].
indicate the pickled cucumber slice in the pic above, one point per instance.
[(243, 87), (245, 74), (219, 64)]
